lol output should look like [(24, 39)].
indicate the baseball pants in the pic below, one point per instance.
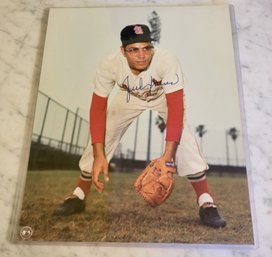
[(121, 113)]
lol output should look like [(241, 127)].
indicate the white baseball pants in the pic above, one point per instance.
[(121, 113)]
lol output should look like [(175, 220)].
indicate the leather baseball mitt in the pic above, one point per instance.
[(156, 182)]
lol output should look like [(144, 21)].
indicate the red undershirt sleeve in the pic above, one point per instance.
[(98, 118), (174, 123)]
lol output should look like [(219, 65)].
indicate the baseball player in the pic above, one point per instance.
[(148, 77)]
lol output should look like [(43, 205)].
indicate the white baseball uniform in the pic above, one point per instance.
[(136, 94)]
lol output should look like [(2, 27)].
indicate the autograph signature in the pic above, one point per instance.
[(149, 86)]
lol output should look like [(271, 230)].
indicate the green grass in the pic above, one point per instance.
[(120, 215)]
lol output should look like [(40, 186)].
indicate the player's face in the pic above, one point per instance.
[(139, 56)]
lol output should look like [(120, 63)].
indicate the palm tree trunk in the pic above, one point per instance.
[(201, 144), (227, 147), (236, 153), (135, 138), (149, 137), (162, 143)]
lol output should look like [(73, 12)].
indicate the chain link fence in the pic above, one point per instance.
[(59, 127)]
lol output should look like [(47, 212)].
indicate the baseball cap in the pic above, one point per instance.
[(135, 33)]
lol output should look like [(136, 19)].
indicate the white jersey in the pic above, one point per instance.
[(163, 75)]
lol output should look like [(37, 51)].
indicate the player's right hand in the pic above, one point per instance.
[(100, 165)]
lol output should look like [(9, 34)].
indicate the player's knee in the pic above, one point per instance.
[(197, 176)]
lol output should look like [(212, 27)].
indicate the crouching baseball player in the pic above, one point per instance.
[(148, 77)]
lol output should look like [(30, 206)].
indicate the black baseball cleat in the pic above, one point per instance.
[(209, 216), (71, 205)]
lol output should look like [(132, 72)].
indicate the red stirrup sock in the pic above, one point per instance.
[(200, 184), (83, 185)]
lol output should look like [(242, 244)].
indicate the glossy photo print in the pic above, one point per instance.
[(138, 132)]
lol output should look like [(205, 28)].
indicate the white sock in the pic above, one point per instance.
[(204, 198), (79, 193)]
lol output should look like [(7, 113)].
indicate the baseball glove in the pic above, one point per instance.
[(156, 182)]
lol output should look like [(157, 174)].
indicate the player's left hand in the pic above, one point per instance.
[(156, 181)]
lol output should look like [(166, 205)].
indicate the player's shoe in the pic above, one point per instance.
[(209, 216), (71, 205)]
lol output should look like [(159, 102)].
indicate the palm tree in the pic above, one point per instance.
[(161, 125), (155, 24), (200, 129), (234, 133)]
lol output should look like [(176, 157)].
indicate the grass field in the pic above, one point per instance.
[(120, 215)]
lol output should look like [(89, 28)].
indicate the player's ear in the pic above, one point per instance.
[(122, 50)]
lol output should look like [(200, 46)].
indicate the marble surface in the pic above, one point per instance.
[(22, 27)]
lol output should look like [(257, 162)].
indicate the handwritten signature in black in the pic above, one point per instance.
[(140, 86)]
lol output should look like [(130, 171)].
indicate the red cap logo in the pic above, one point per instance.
[(138, 30)]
